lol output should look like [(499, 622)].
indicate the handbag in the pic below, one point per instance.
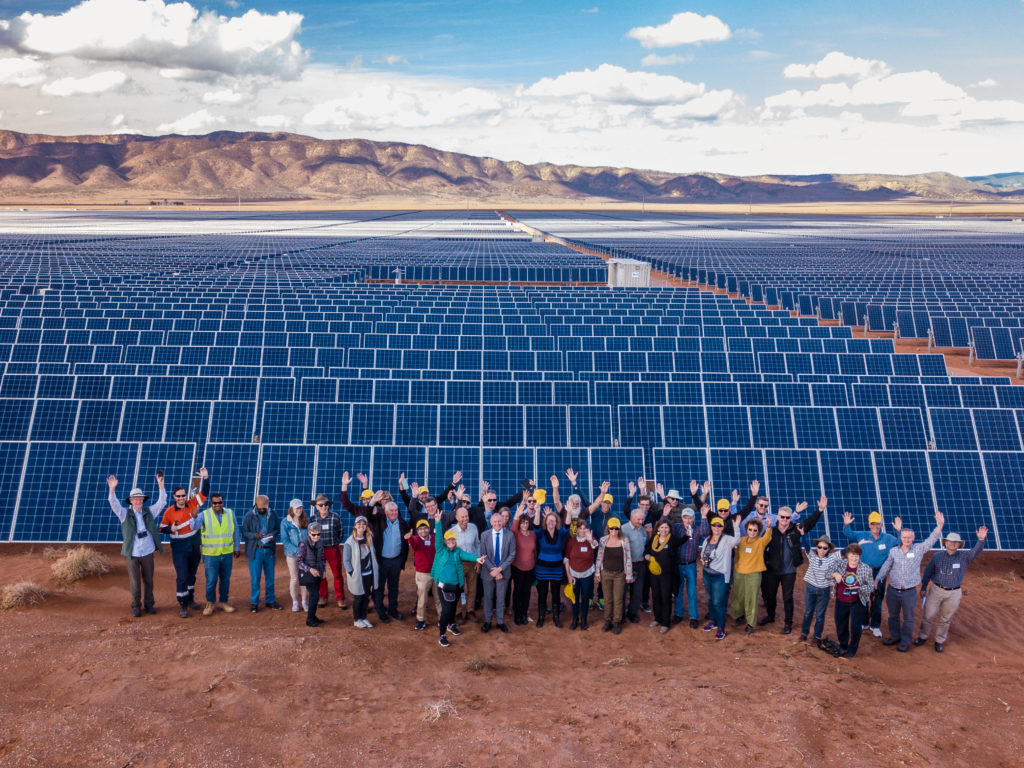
[(307, 579)]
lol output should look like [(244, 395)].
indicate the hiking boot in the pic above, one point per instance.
[(183, 612), (253, 608), (443, 642), (208, 609), (225, 607)]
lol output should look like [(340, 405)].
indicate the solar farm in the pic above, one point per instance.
[(280, 350)]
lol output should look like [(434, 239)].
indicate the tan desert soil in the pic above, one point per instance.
[(87, 685)]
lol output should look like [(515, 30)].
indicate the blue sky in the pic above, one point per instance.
[(731, 87)]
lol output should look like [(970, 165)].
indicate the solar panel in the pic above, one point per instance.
[(442, 463), (15, 419), (848, 478), (93, 518), (286, 423), (792, 477), (772, 427), (996, 429), (735, 469), (389, 462), (176, 460), (957, 476), (372, 424), (503, 425), (187, 422), (459, 425), (546, 425), (728, 427), (640, 425), (952, 429), (233, 469), (51, 472), (590, 425), (1004, 471), (859, 428), (554, 461), (675, 468), (815, 428), (54, 420), (143, 420), (617, 466), (684, 427), (905, 489), (12, 459), (232, 421), (286, 472), (902, 428), (506, 468)]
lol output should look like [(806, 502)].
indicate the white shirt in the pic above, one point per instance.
[(145, 545)]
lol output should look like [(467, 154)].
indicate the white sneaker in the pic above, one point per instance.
[(367, 624), (877, 632), (305, 605), (865, 627), (295, 606)]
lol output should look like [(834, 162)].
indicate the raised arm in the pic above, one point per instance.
[(115, 503), (940, 520)]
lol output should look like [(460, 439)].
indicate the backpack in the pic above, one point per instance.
[(828, 645)]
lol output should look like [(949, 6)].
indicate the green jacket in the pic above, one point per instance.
[(448, 562), (129, 528)]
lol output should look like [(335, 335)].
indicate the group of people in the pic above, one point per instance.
[(493, 555)]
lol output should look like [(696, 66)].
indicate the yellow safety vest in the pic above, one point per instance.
[(218, 536)]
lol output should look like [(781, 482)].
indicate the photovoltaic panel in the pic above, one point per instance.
[(848, 478), (373, 424), (187, 421), (232, 421), (905, 489), (554, 461), (503, 425), (617, 466), (1004, 471), (902, 428), (728, 427), (12, 459), (952, 429), (996, 429), (546, 426), (459, 425), (506, 468), (443, 463), (792, 477), (332, 461), (282, 423), (286, 472), (958, 476), (232, 468), (143, 420), (15, 418), (54, 420), (735, 469), (177, 460), (640, 425), (676, 467), (772, 427), (389, 462), (858, 428), (684, 426), (93, 518), (51, 473), (590, 426), (815, 428)]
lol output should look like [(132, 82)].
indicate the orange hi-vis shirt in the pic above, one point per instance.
[(175, 516)]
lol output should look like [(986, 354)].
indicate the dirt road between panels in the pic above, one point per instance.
[(85, 684)]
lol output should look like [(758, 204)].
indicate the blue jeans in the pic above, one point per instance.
[(218, 569), (687, 580), (584, 593), (716, 586), (817, 603), (262, 564)]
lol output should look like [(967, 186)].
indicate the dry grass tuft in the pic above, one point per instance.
[(53, 553), (619, 661), (21, 594), (477, 664), (439, 709), (79, 564)]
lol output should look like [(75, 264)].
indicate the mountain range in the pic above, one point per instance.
[(271, 167)]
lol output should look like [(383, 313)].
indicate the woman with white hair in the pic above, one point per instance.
[(363, 571), (293, 531)]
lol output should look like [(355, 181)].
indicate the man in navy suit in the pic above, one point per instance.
[(498, 547)]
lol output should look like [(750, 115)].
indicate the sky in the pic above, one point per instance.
[(787, 87)]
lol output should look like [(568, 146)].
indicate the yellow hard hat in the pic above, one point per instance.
[(450, 535)]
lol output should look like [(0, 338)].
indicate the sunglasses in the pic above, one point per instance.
[(216, 503), (314, 535), (785, 517), (822, 546), (717, 525), (614, 528), (322, 504), (180, 496)]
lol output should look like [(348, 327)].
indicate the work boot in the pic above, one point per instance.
[(225, 607), (208, 609)]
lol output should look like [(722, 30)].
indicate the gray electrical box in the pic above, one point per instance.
[(628, 273)]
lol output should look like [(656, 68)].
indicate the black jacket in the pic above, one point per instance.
[(773, 552), (378, 521)]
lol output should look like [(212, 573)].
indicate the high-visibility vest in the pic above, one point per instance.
[(218, 536)]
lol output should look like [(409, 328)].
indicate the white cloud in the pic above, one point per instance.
[(901, 88), (837, 64), (163, 34), (682, 29), (595, 9), (988, 82), (118, 120), (197, 122), (393, 59), (615, 84), (654, 60), (22, 71), (97, 83), (274, 122), (43, 112), (706, 106), (225, 96)]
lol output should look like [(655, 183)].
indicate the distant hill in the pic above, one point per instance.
[(285, 166), (1013, 180)]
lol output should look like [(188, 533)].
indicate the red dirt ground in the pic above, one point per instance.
[(88, 685)]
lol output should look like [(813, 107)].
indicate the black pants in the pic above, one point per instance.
[(447, 606), (877, 598), (312, 583), (638, 589), (543, 586), (661, 594), (584, 590), (770, 590), (849, 623), (186, 554), (390, 570), (521, 583), (361, 602)]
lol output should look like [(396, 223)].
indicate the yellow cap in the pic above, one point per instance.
[(613, 522), (874, 517), (423, 489), (450, 535), (423, 523), (366, 494), (607, 497), (723, 504), (717, 521), (540, 495)]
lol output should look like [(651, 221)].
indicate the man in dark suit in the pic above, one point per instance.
[(392, 549), (498, 547)]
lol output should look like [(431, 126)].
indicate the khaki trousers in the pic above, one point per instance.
[(940, 604), (423, 585)]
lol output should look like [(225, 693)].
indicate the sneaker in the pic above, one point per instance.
[(136, 612), (421, 625), (709, 626), (253, 608), (454, 630), (600, 603), (876, 631), (443, 641), (645, 607), (295, 606), (208, 610), (720, 634), (663, 630), (749, 630), (322, 603), (865, 627), (274, 606), (342, 605), (151, 610), (183, 612), (654, 624), (305, 605), (694, 623)]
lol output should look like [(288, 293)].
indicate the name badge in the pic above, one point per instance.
[(881, 547), (748, 550), (956, 565), (584, 549), (910, 555)]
